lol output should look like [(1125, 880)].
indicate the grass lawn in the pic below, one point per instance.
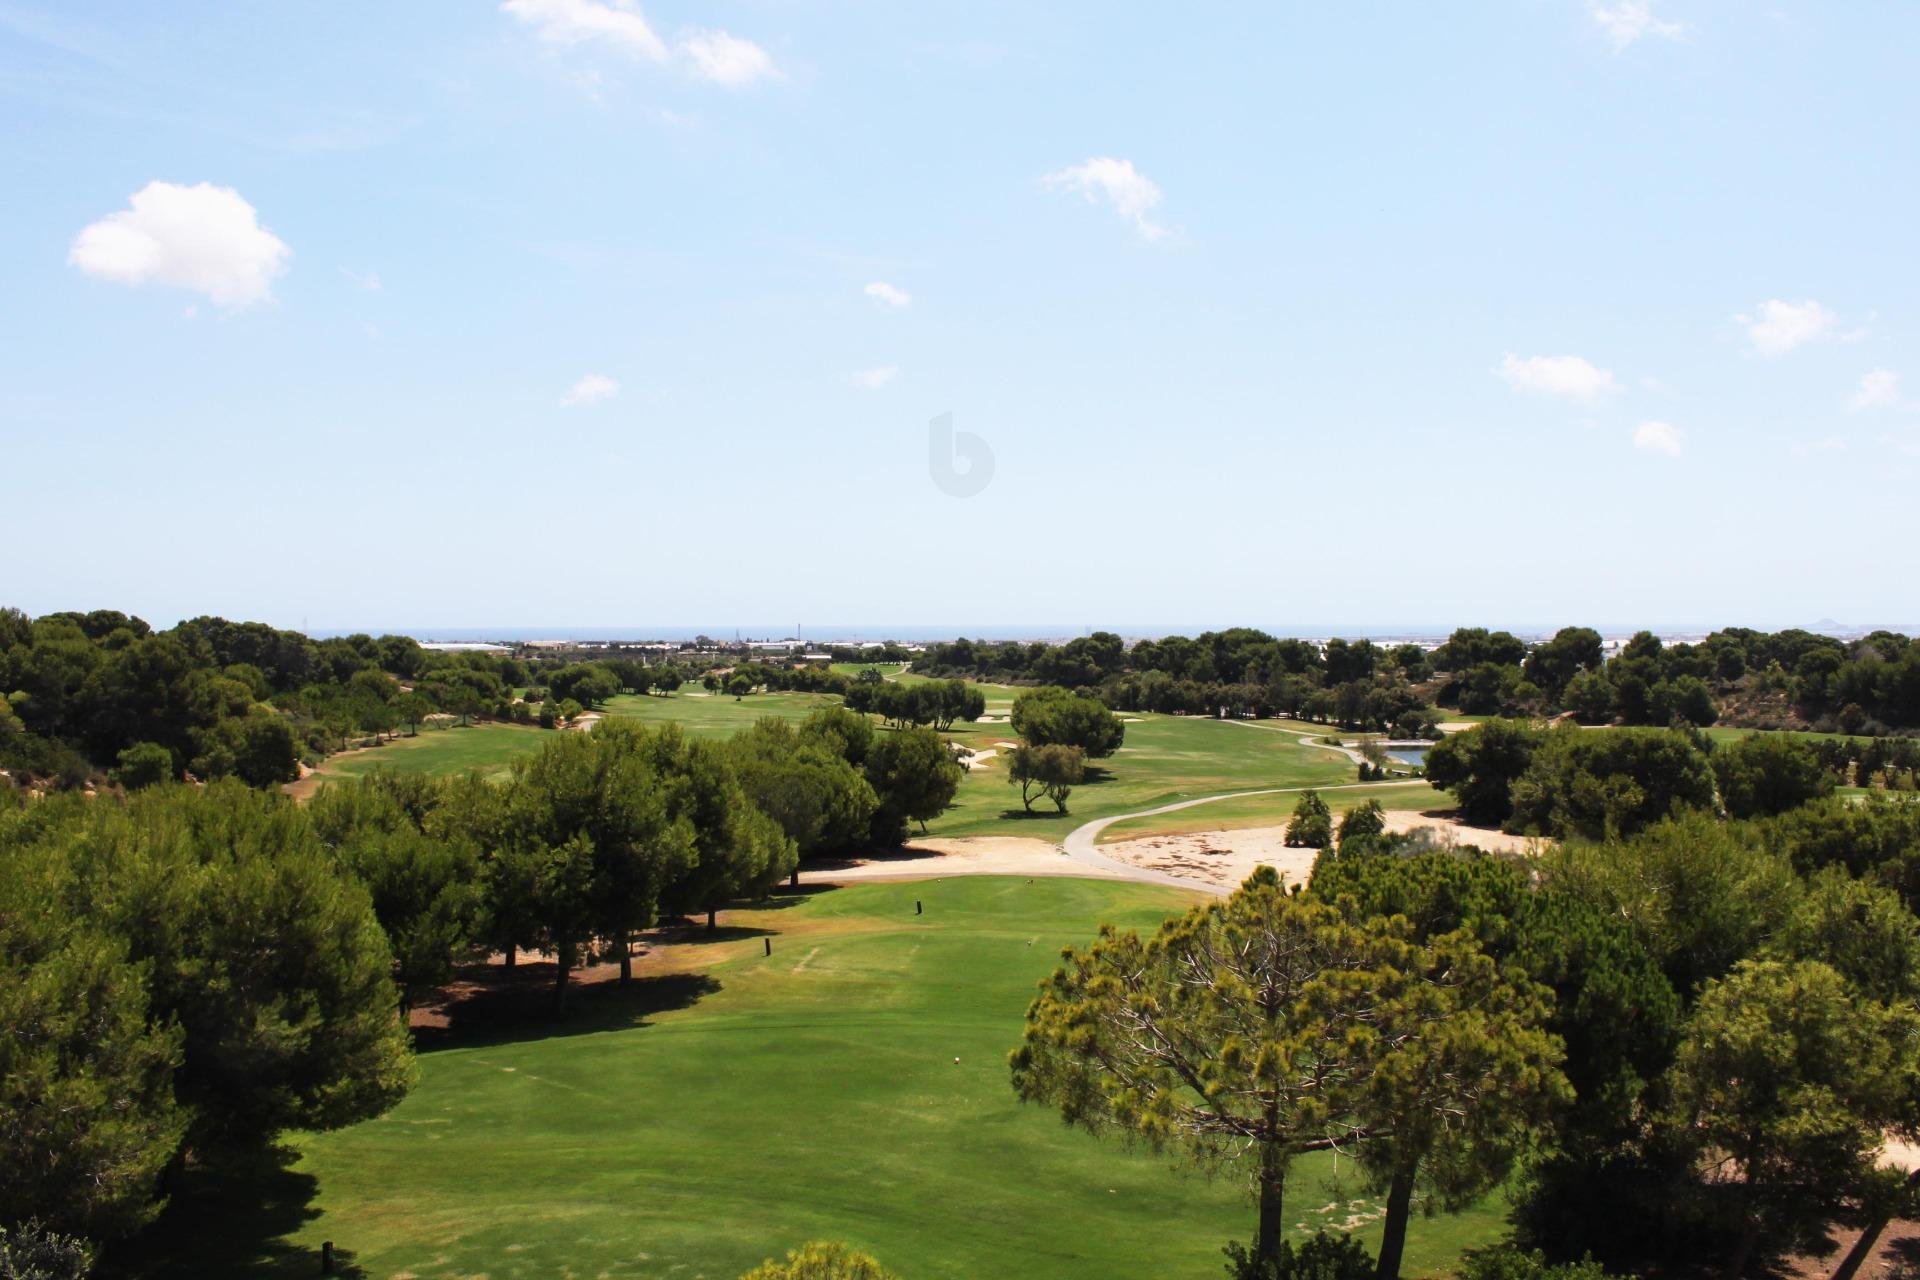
[(1275, 810), (735, 1105), (1165, 758), (487, 747), (716, 715)]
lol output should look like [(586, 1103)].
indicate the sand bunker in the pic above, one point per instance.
[(1221, 859), (955, 856)]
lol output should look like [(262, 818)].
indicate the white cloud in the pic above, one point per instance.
[(874, 379), (1879, 389), (1104, 178), (1657, 437), (882, 292), (727, 60), (1570, 376), (590, 390), (619, 25), (1776, 327), (1625, 22), (370, 281), (204, 238)]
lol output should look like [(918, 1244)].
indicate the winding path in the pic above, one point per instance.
[(1081, 844)]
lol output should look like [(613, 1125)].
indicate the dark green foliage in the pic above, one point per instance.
[(1362, 822), (1053, 771), (32, 1251), (1581, 782), (1509, 1262), (1312, 824), (915, 778), (144, 764), (1766, 774), (1054, 717), (1481, 765), (1321, 1257)]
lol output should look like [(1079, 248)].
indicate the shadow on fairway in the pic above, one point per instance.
[(231, 1217), (493, 1005)]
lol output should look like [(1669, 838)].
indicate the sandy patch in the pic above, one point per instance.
[(977, 759), (1456, 726), (1007, 746), (1132, 719), (1453, 831), (1219, 858), (955, 856), (584, 721), (991, 720)]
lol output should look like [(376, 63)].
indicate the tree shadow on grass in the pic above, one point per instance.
[(492, 1004), (232, 1216)]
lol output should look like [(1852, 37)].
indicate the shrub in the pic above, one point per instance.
[(1324, 1257), (820, 1261), (31, 1252)]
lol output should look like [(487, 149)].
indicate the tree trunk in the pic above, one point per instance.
[(1266, 1245), (512, 954), (1870, 1235), (1737, 1264), (626, 958), (560, 987), (711, 924), (1393, 1240), (794, 882)]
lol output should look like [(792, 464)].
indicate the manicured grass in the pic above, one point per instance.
[(713, 1118), (1164, 759), (1275, 810), (716, 715), (487, 747)]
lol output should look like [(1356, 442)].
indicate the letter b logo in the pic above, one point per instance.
[(960, 462)]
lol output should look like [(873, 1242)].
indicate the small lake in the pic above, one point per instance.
[(1408, 755)]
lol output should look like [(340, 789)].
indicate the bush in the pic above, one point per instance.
[(31, 1252), (144, 764), (1325, 1257), (1509, 1262), (820, 1261)]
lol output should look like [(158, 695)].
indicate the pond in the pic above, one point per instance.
[(1408, 755)]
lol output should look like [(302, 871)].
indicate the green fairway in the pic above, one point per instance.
[(1275, 810), (716, 715), (1165, 758), (851, 1086), (487, 747)]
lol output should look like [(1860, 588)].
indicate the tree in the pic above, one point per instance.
[(1312, 824), (1243, 1030), (1052, 771), (266, 752), (1581, 782), (1362, 822), (820, 1261), (1481, 765), (1786, 1084), (86, 1073), (423, 884), (413, 708), (804, 784), (144, 764), (915, 778), (738, 851), (31, 1251), (1768, 773), (1053, 716), (1469, 1074)]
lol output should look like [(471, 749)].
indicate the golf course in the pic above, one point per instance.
[(732, 1104)]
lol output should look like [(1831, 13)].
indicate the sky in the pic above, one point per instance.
[(556, 313)]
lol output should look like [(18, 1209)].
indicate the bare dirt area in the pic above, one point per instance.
[(1218, 859), (955, 856), (1452, 831)]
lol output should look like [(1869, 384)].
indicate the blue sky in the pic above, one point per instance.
[(577, 312)]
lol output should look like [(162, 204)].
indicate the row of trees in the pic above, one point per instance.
[(939, 703), (1568, 781)]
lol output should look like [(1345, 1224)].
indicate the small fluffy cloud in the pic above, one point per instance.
[(619, 25), (203, 238), (1626, 22), (882, 292), (1776, 327), (1657, 437), (726, 60), (1879, 389), (370, 281), (874, 379), (1570, 376), (1106, 179), (590, 390)]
